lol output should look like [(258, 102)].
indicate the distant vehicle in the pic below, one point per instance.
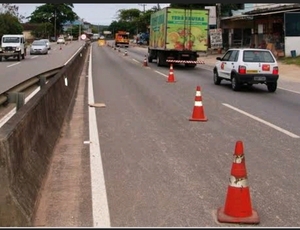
[(247, 66), (38, 47), (60, 41), (13, 45), (122, 38), (102, 37), (47, 42)]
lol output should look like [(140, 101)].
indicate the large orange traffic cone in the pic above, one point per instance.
[(198, 111), (238, 208), (60, 48), (145, 63), (171, 77)]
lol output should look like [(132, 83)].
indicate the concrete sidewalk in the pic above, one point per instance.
[(286, 71)]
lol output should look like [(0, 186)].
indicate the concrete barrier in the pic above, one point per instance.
[(27, 141)]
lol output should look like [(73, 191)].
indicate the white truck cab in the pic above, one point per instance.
[(13, 45)]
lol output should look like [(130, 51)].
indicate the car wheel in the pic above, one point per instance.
[(217, 79), (235, 85), (272, 86), (150, 59)]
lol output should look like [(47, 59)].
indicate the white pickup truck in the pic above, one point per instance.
[(13, 45)]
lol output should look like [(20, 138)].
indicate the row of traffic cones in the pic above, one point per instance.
[(238, 205)]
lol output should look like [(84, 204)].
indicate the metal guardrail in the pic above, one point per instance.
[(15, 94)]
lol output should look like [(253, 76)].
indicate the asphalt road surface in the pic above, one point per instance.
[(152, 167), (14, 72)]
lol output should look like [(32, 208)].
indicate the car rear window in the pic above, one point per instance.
[(258, 56)]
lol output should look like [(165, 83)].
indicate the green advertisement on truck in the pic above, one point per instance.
[(177, 35)]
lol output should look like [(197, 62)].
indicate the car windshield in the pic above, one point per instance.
[(11, 40), (258, 56), (39, 43)]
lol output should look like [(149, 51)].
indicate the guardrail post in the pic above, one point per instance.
[(18, 98), (43, 81)]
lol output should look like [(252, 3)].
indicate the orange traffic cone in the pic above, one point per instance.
[(198, 111), (171, 77), (145, 63), (60, 48), (125, 53), (238, 208)]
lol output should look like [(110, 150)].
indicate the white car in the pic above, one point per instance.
[(247, 66), (60, 41)]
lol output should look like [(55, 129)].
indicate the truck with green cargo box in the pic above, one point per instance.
[(177, 35)]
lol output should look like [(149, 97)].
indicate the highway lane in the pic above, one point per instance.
[(162, 170), (280, 108), (14, 72), (286, 84)]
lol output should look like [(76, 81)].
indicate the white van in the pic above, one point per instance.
[(13, 45)]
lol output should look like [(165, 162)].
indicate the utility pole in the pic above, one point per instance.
[(80, 23), (143, 5), (218, 9), (55, 25), (158, 6)]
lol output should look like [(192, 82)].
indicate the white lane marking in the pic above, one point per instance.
[(54, 49), (135, 60), (73, 55), (100, 210), (262, 121), (13, 111), (33, 57), (13, 64), (161, 73), (289, 90)]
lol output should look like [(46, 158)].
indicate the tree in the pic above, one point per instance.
[(43, 30), (225, 8), (130, 15), (9, 24), (12, 10), (53, 13)]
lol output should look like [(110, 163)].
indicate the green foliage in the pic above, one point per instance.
[(43, 30), (10, 24), (132, 21), (53, 13), (12, 10), (225, 8)]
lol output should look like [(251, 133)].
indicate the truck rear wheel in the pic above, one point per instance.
[(158, 61)]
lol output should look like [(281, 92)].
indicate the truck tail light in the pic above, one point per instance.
[(275, 70), (242, 69)]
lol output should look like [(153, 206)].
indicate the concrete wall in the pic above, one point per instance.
[(27, 141), (291, 43)]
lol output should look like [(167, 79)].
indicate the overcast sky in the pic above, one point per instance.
[(99, 14)]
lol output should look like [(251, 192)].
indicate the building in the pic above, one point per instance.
[(276, 27), (258, 25)]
